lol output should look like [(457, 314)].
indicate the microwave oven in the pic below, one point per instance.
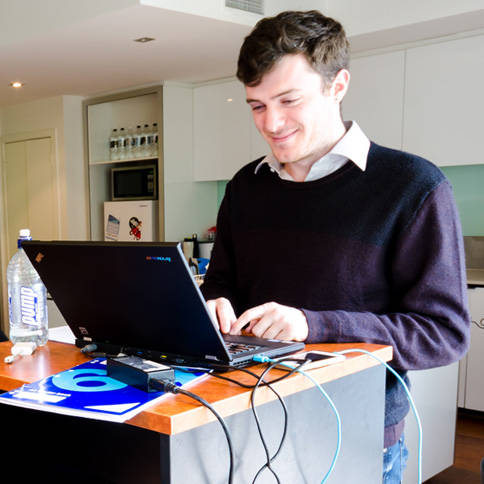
[(138, 182)]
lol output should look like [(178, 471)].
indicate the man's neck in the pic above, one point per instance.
[(299, 170)]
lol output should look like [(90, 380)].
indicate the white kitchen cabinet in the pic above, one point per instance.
[(375, 97), (471, 390), (434, 392), (222, 136), (444, 101)]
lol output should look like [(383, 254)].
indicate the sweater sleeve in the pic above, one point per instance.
[(430, 324), (220, 278)]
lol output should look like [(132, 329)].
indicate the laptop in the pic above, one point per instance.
[(140, 298)]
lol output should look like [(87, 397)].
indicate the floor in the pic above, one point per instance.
[(469, 450)]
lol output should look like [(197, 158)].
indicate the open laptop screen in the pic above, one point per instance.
[(137, 294)]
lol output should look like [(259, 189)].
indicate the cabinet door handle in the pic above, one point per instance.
[(479, 324)]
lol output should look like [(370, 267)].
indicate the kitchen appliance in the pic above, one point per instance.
[(131, 221), (205, 248), (134, 182)]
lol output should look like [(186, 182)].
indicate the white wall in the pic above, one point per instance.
[(75, 171), (190, 207)]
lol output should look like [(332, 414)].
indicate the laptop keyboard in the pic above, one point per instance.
[(236, 349)]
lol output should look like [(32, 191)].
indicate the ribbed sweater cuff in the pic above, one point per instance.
[(322, 326)]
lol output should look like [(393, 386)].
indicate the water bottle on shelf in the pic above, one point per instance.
[(122, 144), (154, 146), (128, 143), (27, 298), (143, 151), (137, 141), (150, 137), (113, 145)]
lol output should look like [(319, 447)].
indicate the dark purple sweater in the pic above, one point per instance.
[(373, 256)]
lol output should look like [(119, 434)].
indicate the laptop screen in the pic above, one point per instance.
[(128, 293)]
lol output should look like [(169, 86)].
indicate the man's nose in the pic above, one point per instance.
[(273, 120)]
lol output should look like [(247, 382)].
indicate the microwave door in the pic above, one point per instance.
[(134, 183)]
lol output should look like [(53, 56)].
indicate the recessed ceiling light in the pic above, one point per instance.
[(143, 40), (17, 84)]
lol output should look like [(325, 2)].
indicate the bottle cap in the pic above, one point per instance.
[(24, 233), (23, 348)]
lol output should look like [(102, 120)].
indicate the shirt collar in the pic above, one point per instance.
[(354, 146)]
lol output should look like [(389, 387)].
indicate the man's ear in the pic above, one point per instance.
[(340, 84)]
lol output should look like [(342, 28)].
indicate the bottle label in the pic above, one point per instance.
[(29, 306)]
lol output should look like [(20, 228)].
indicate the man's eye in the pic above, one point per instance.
[(289, 101), (257, 107)]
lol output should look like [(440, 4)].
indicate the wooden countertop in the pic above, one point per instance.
[(178, 413)]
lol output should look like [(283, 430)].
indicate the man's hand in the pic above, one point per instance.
[(223, 312), (273, 321)]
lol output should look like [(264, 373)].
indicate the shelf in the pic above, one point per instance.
[(124, 160)]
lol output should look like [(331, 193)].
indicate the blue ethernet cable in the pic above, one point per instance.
[(265, 359), (410, 399)]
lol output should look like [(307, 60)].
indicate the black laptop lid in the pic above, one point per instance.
[(133, 294)]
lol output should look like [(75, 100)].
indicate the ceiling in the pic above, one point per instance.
[(97, 54), (86, 47)]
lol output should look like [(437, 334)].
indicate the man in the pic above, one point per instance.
[(331, 237)]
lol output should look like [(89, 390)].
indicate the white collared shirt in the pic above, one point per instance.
[(354, 146)]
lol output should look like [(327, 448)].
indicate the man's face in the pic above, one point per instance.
[(299, 120)]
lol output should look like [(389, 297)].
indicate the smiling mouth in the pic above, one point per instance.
[(282, 139)]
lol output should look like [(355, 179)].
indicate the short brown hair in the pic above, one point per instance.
[(321, 39)]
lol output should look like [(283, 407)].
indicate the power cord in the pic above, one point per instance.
[(262, 382), (409, 397), (298, 369), (168, 386), (269, 458)]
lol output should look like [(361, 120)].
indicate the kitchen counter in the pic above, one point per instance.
[(475, 277), (177, 440)]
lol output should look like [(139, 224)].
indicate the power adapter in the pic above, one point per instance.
[(140, 373)]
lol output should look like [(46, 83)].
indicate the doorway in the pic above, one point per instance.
[(30, 195)]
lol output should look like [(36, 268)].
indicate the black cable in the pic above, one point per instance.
[(261, 382), (172, 388), (269, 458)]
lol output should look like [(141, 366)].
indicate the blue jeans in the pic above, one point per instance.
[(394, 462)]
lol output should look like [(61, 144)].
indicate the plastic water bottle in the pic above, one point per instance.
[(143, 146), (27, 298), (150, 138), (122, 144), (137, 141), (154, 146), (113, 145), (128, 142)]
